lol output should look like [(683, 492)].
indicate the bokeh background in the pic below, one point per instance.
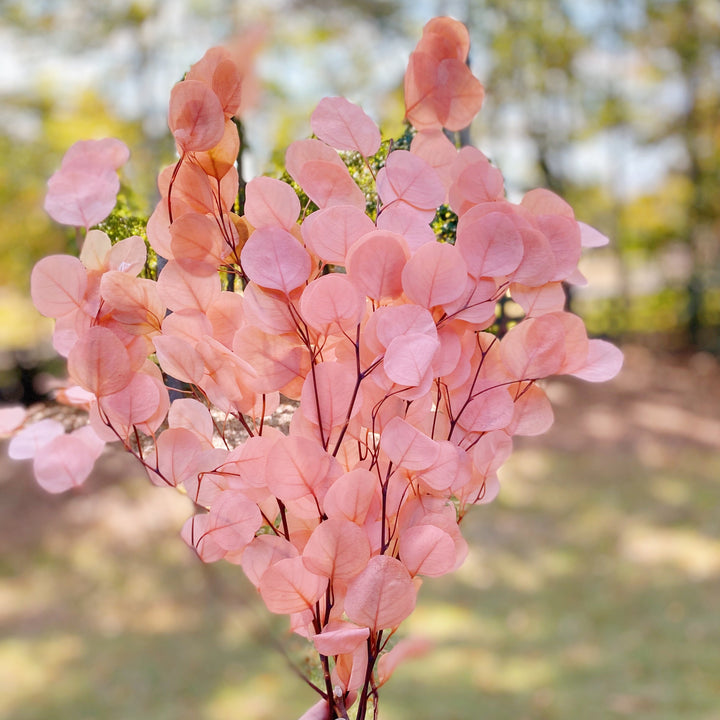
[(593, 582)]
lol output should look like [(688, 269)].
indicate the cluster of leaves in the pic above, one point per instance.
[(407, 401)]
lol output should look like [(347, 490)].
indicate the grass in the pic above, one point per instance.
[(591, 591)]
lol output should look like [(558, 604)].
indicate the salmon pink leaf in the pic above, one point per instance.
[(330, 232), (58, 284), (99, 362), (271, 202), (195, 117), (382, 595), (288, 586), (345, 126), (275, 260)]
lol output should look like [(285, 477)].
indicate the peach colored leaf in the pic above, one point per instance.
[(491, 244), (32, 438), (301, 152), (445, 37), (434, 275), (534, 348), (318, 711), (604, 362), (345, 126), (328, 184), (180, 290), (226, 315), (563, 234), (445, 471), (540, 300), (537, 266), (134, 404), (330, 232), (408, 358), (407, 447), (591, 237), (332, 300), (190, 325), (65, 463), (351, 495), (58, 284), (267, 309), (491, 451), (277, 359), (99, 362), (407, 221), (331, 395), (233, 521), (195, 116), (409, 178), (541, 201), (275, 260), (192, 415), (135, 302), (12, 418), (128, 255), (382, 595), (394, 320), (95, 250), (339, 637), (217, 70), (264, 551), (338, 549), (297, 467), (178, 358), (107, 152), (475, 181), (219, 160), (197, 243), (533, 413), (288, 586), (427, 550), (81, 195), (271, 202), (375, 263), (489, 409), (436, 149), (177, 451), (194, 533)]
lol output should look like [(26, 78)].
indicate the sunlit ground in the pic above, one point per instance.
[(591, 590)]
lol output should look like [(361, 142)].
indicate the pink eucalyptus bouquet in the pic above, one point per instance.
[(344, 293)]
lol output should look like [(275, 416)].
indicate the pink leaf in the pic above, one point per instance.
[(195, 117), (407, 221), (264, 551), (65, 463), (275, 260), (345, 126), (233, 521), (375, 264), (99, 362), (591, 237), (339, 637), (271, 202), (406, 446), (604, 362), (328, 184), (197, 243), (409, 178), (351, 495), (332, 300), (330, 232), (337, 549), (289, 587), (180, 290), (408, 358), (32, 438), (127, 255), (406, 649), (296, 467), (134, 302), (434, 275), (178, 358), (382, 595), (135, 403), (58, 284), (427, 550), (533, 413), (11, 419), (330, 395), (106, 152), (491, 244), (192, 415)]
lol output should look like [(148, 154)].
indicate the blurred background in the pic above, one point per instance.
[(593, 582)]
